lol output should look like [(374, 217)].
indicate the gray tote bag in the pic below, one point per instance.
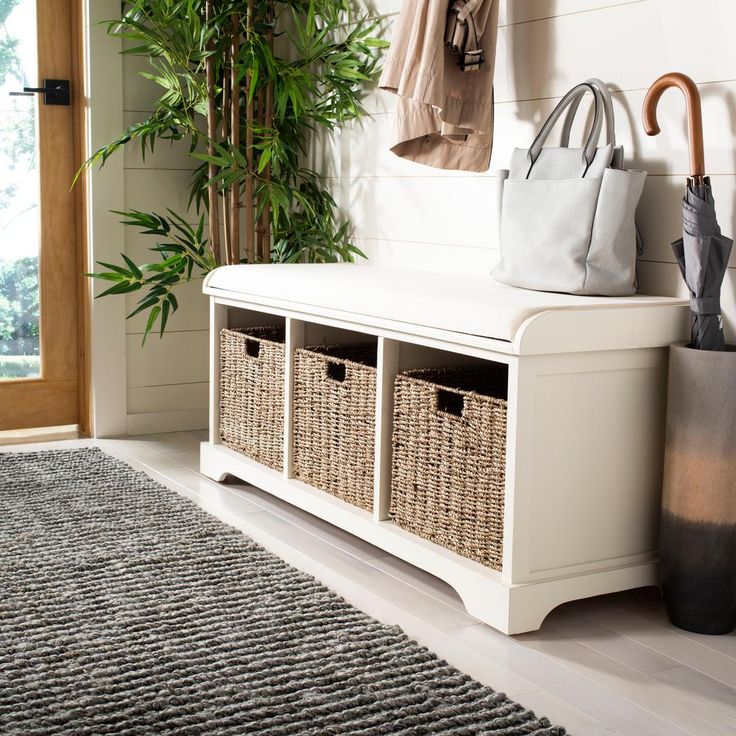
[(567, 214)]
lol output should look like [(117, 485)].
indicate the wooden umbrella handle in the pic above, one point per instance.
[(694, 116)]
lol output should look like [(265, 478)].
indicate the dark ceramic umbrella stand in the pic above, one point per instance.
[(698, 531)]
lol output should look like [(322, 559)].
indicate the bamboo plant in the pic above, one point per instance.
[(246, 84)]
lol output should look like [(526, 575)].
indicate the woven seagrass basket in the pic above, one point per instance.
[(334, 420), (252, 393), (449, 458)]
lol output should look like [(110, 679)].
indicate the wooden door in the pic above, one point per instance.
[(40, 216)]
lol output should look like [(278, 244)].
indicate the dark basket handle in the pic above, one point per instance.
[(252, 348), (450, 402), (336, 372)]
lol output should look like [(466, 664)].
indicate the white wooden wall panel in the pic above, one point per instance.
[(413, 216), (629, 44), (147, 399), (166, 378), (105, 235), (523, 11), (181, 357), (457, 259), (451, 211), (155, 190)]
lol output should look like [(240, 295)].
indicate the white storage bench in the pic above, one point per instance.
[(586, 402)]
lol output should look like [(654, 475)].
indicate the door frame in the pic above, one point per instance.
[(81, 201)]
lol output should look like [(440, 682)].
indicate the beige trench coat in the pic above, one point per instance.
[(444, 115)]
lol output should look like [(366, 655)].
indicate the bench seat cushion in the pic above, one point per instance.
[(465, 304)]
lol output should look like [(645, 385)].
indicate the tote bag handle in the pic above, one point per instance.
[(605, 93), (591, 145)]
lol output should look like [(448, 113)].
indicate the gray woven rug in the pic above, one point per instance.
[(127, 610)]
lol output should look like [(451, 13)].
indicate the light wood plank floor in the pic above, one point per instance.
[(608, 665)]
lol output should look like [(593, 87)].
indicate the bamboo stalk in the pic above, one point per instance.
[(225, 132), (249, 213), (226, 220), (266, 213), (268, 123), (235, 95), (261, 120), (214, 220)]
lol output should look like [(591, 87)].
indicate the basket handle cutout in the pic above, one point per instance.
[(449, 402), (336, 371), (252, 348)]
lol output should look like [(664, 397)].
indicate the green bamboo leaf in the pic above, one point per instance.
[(264, 160), (133, 268), (152, 317), (253, 82), (108, 276), (116, 269), (216, 160), (146, 303), (122, 288), (165, 307)]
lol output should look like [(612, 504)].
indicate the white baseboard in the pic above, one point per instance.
[(167, 421)]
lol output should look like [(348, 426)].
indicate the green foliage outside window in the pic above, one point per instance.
[(19, 307)]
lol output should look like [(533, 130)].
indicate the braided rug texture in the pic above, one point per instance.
[(127, 610)]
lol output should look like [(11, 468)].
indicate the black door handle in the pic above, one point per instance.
[(54, 91)]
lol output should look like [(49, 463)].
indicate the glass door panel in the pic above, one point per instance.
[(20, 228), (41, 262)]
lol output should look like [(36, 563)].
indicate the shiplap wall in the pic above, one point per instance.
[(167, 378), (414, 216)]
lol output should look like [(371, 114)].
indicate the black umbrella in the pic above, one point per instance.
[(703, 252)]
